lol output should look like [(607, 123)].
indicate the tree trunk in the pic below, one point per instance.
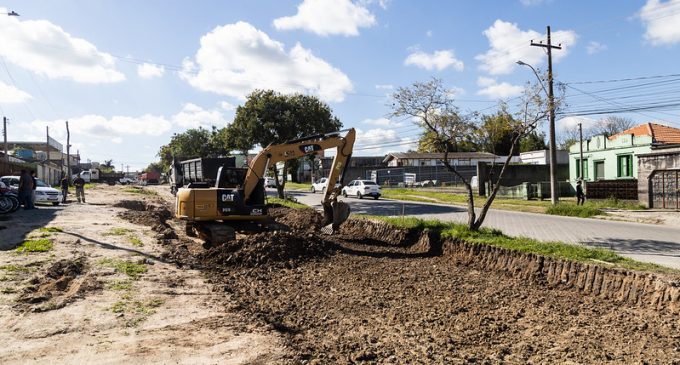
[(279, 186)]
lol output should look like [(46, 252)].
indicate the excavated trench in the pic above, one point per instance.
[(376, 294)]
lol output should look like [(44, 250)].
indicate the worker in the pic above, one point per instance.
[(64, 189), (580, 196), (79, 183)]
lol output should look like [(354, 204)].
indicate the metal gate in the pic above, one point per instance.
[(664, 189)]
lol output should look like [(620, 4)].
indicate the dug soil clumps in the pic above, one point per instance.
[(273, 249), (147, 214), (63, 282), (307, 220)]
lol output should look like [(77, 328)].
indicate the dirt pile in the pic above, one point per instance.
[(63, 282), (154, 215), (307, 220), (275, 249)]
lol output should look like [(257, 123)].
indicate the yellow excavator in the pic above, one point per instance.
[(236, 201)]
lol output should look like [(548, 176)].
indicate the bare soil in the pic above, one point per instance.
[(369, 295)]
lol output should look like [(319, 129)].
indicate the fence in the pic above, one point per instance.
[(539, 190), (439, 174), (619, 189)]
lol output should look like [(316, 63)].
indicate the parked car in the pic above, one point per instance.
[(269, 182), (126, 181), (361, 188), (321, 184), (43, 193)]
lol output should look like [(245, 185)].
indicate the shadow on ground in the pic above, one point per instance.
[(15, 227)]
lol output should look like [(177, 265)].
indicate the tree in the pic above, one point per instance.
[(270, 117), (610, 126), (432, 105), (107, 166), (193, 143), (533, 142), (429, 143), (155, 167), (496, 133)]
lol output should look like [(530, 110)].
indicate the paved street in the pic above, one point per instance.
[(642, 242)]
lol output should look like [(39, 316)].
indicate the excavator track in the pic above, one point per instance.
[(215, 234)]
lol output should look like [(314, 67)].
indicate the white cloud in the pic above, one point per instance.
[(533, 2), (509, 44), (193, 116), (494, 90), (384, 4), (438, 60), (328, 17), (227, 106), (595, 47), (661, 20), (98, 128), (46, 49), (428, 33), (373, 141), (382, 122), (149, 71), (11, 95), (236, 58), (385, 87), (570, 123)]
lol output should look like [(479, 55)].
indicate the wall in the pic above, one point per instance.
[(660, 160), (600, 148), (518, 174)]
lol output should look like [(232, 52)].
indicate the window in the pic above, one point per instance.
[(585, 169), (625, 165)]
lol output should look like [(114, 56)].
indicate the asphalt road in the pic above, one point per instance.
[(642, 242)]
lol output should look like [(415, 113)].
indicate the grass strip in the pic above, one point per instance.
[(35, 245), (494, 237), (287, 203), (129, 268)]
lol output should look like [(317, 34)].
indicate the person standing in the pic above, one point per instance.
[(64, 189), (35, 186), (580, 196), (79, 183), (26, 190)]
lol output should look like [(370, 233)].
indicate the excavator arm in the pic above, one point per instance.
[(334, 212)]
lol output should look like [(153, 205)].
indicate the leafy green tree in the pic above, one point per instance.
[(193, 143), (532, 142), (496, 133), (270, 117), (107, 166), (155, 167)]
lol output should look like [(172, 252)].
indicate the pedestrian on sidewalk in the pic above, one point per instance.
[(79, 183), (580, 196), (64, 189)]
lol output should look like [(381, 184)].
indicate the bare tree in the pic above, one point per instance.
[(610, 126), (433, 107)]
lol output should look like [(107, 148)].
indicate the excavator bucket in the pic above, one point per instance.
[(334, 214)]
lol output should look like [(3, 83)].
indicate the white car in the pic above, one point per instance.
[(43, 193), (361, 188), (269, 182), (321, 184)]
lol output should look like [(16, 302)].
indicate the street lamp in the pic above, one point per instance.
[(554, 187)]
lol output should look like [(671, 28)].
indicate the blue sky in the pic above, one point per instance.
[(129, 74)]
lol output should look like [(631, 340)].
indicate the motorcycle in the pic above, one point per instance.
[(9, 201)]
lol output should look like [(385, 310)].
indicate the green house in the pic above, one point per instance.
[(615, 157)]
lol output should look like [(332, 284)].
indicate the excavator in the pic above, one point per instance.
[(236, 201)]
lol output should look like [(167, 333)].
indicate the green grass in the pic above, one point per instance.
[(35, 245), (51, 229), (139, 190), (88, 186), (573, 210), (287, 203), (119, 284), (129, 268), (297, 186), (118, 231), (135, 241), (494, 237), (14, 268)]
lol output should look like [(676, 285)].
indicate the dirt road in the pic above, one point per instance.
[(104, 294), (295, 297)]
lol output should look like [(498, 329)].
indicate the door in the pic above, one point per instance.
[(664, 189), (599, 170)]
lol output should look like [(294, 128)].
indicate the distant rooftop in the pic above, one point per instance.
[(660, 133)]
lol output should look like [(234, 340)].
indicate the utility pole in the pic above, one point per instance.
[(46, 168), (554, 187), (4, 133), (580, 138), (68, 154)]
